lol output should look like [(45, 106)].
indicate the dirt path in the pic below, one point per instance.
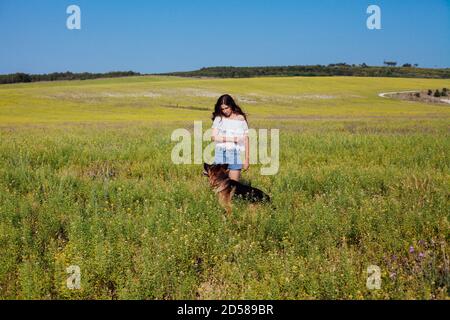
[(387, 94), (390, 94)]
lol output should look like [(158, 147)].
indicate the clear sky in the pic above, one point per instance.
[(178, 35)]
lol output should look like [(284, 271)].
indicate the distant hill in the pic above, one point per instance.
[(24, 77), (340, 69)]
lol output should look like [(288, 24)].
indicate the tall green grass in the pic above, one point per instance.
[(110, 201), (352, 191)]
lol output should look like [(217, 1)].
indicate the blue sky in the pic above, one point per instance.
[(173, 35)]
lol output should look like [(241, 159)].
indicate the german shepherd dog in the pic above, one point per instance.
[(226, 188)]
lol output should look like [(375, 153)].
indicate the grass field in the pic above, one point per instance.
[(86, 179)]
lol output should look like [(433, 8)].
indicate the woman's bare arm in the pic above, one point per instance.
[(247, 153), (247, 148)]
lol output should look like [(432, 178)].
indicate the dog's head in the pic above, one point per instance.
[(215, 170)]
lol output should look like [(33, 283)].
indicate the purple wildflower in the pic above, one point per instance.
[(411, 249)]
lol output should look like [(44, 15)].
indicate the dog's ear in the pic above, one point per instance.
[(205, 169)]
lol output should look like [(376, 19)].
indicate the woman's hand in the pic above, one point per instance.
[(246, 165)]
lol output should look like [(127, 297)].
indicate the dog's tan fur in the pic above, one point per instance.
[(220, 182), (226, 188)]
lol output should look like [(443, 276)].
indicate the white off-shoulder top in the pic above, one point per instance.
[(231, 128)]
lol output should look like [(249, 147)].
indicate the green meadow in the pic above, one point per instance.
[(86, 179)]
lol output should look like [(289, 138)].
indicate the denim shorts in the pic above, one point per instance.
[(231, 157)]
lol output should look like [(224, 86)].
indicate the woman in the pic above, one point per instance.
[(230, 132)]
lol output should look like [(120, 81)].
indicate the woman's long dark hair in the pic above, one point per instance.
[(227, 100)]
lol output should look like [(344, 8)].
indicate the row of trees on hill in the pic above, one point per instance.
[(337, 69), (394, 64), (24, 77)]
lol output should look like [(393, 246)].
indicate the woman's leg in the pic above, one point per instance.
[(235, 174)]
